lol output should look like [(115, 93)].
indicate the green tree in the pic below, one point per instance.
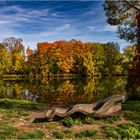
[(107, 58), (129, 54), (112, 58), (125, 15)]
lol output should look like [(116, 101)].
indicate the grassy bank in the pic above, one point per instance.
[(15, 123)]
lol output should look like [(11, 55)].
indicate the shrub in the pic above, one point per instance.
[(68, 122), (87, 133), (89, 120), (132, 133), (126, 125), (59, 134), (123, 131), (112, 132), (112, 118), (115, 117), (68, 131), (78, 121)]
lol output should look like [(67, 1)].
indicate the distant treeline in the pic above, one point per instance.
[(64, 58)]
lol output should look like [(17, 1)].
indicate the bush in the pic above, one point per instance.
[(87, 133), (112, 118), (59, 134), (126, 125), (78, 121), (132, 133), (115, 117), (68, 131), (68, 122), (123, 131), (89, 120), (112, 132)]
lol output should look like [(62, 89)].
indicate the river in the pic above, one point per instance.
[(63, 91)]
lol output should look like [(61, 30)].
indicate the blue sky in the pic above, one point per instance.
[(39, 21)]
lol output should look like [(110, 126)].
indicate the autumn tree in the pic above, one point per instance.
[(5, 60), (16, 51), (17, 58), (74, 57)]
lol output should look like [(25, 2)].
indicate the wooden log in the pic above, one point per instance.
[(102, 108)]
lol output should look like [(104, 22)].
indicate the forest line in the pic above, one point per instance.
[(64, 58)]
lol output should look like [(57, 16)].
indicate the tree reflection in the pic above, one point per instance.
[(63, 91)]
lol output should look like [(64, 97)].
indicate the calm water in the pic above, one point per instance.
[(63, 91)]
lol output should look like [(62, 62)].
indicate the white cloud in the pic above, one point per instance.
[(58, 33), (20, 14), (65, 26), (91, 28), (108, 28), (49, 25)]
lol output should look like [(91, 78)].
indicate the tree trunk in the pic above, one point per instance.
[(133, 81), (138, 33)]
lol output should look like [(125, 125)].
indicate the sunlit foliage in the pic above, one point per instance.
[(75, 57)]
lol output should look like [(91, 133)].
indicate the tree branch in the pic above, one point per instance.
[(131, 5)]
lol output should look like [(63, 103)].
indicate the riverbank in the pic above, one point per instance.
[(39, 76), (15, 123)]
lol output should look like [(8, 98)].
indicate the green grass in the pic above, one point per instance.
[(131, 105), (59, 134), (37, 134), (86, 134), (126, 125), (68, 131), (129, 130), (89, 120), (8, 132), (112, 132), (13, 113), (63, 134), (68, 122), (122, 131), (20, 104), (132, 115)]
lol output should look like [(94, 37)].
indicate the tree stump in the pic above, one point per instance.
[(102, 108)]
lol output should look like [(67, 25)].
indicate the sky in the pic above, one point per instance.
[(48, 21)]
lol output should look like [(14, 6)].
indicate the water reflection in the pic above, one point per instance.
[(63, 91)]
